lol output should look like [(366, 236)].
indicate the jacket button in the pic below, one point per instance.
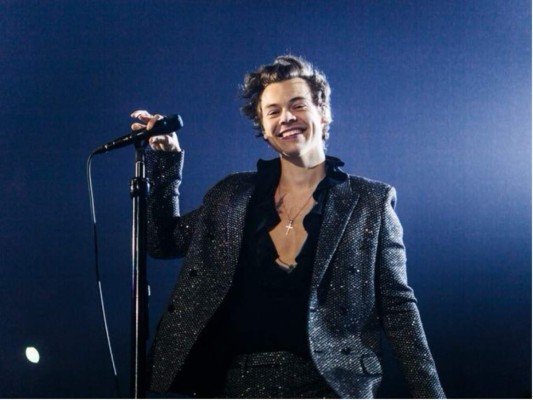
[(346, 351), (171, 308), (343, 310), (193, 273)]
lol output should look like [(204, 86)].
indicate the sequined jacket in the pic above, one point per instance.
[(359, 284)]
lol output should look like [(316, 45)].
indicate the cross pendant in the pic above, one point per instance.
[(289, 227)]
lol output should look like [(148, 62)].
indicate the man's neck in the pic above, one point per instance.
[(301, 175)]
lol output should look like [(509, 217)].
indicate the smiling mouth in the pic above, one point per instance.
[(290, 133)]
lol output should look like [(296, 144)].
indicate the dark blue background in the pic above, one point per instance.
[(433, 97)]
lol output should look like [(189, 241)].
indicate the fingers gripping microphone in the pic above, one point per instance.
[(164, 126)]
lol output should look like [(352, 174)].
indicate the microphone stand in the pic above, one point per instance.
[(140, 291)]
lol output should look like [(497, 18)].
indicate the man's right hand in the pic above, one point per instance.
[(167, 142)]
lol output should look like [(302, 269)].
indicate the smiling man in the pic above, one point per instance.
[(290, 272), (292, 123)]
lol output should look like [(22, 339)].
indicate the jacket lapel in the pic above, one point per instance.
[(340, 204), (235, 221)]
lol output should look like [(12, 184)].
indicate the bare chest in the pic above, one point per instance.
[(289, 237)]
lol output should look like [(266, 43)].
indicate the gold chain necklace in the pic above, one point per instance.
[(279, 205)]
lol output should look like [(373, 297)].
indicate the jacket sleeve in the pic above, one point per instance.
[(168, 233), (399, 313)]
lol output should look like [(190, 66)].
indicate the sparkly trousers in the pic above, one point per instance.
[(275, 375)]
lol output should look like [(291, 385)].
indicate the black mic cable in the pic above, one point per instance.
[(97, 271)]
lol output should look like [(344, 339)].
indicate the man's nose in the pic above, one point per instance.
[(287, 116)]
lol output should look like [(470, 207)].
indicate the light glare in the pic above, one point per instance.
[(32, 355)]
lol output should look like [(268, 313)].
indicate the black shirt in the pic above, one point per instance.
[(266, 309)]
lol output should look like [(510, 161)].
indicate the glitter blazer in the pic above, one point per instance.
[(359, 284)]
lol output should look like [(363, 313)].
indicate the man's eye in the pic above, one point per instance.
[(273, 113), (299, 106)]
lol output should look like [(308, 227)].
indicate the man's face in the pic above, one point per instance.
[(292, 123)]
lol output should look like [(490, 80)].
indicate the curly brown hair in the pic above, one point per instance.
[(285, 67)]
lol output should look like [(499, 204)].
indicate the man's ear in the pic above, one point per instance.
[(263, 132), (323, 115), (324, 122)]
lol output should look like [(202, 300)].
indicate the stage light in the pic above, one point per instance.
[(32, 354)]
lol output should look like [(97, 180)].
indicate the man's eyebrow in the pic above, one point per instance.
[(294, 99), (297, 98)]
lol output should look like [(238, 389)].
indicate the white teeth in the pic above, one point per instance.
[(291, 133)]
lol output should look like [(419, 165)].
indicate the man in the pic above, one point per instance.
[(290, 272)]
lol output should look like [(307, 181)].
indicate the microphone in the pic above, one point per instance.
[(168, 124)]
